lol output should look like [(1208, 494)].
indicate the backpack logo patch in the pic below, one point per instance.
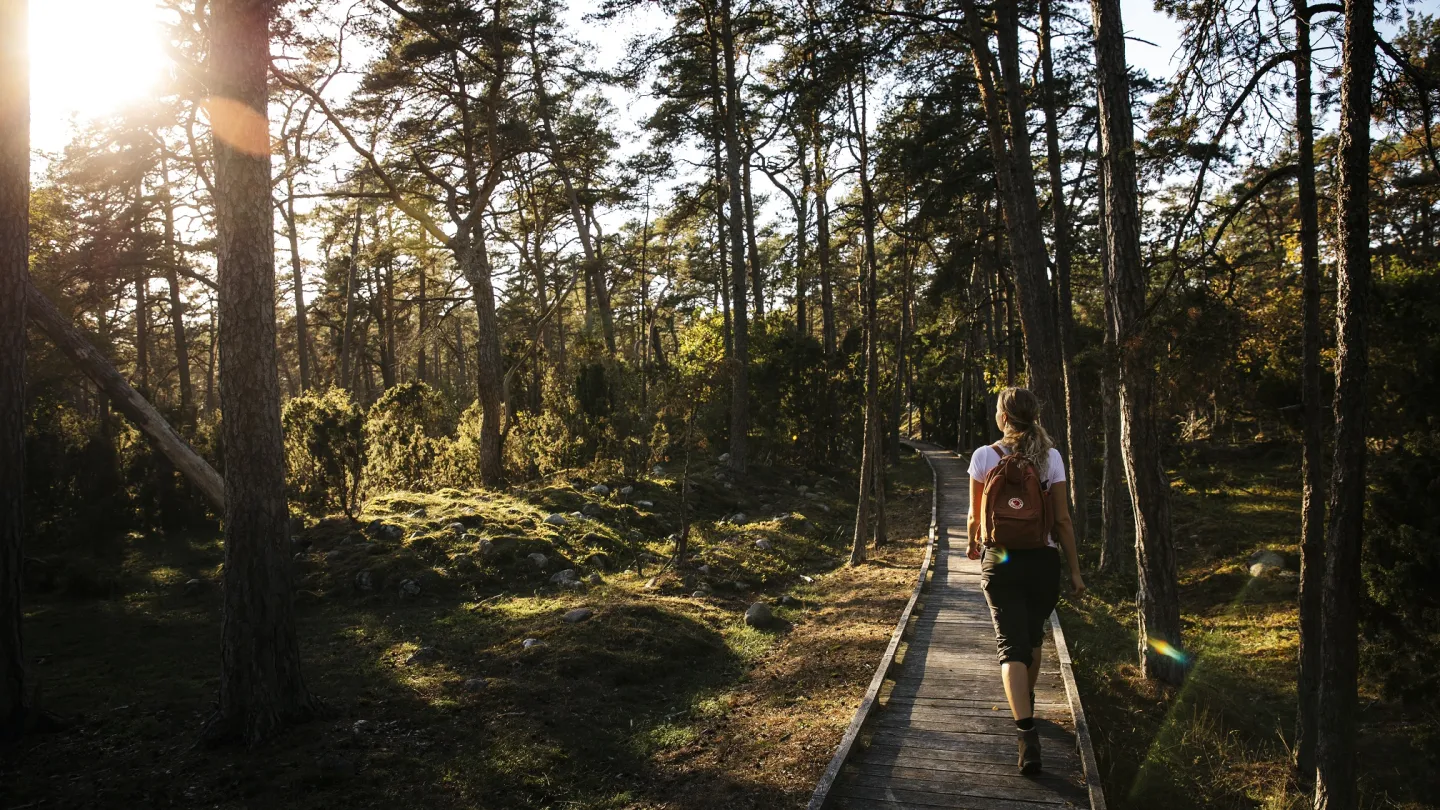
[(1016, 503)]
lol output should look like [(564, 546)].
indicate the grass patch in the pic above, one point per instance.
[(660, 699), (1222, 740)]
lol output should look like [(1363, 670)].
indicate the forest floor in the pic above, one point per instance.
[(1221, 741), (411, 629)]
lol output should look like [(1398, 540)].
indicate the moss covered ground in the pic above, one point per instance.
[(413, 621), (1223, 739)]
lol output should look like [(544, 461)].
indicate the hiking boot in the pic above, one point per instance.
[(1030, 752)]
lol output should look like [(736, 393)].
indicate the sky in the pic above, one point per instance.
[(89, 57)]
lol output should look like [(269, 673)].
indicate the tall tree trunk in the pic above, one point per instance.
[(1010, 147), (474, 262), (802, 270), (142, 333), (1159, 603), (211, 361), (14, 279), (822, 246), (1312, 511), (386, 308), (177, 305), (594, 268), (1335, 742), (740, 362), (261, 688), (347, 339), (1079, 460), (757, 273), (422, 324), (872, 457), (902, 351), (297, 280), (85, 357), (1117, 549)]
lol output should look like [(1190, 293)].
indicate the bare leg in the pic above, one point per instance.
[(1017, 688)]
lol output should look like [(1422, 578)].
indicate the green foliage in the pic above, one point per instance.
[(72, 474), (324, 451), (1401, 618), (405, 433)]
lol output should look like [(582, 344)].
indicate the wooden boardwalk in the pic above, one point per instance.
[(935, 731)]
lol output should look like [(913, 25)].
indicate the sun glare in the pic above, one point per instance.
[(89, 58)]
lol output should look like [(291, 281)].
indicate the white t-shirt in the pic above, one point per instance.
[(985, 459)]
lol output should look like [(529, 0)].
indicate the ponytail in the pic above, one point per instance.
[(1024, 434)]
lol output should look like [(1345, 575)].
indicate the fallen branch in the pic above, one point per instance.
[(129, 401)]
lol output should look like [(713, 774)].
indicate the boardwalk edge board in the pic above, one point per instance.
[(867, 704), (1088, 764)]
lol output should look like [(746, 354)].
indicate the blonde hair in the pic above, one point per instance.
[(1024, 434)]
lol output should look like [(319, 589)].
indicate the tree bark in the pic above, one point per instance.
[(14, 279), (1312, 511), (261, 687), (757, 273), (1010, 148), (474, 263), (802, 280), (822, 245), (740, 362), (1116, 545), (594, 268), (1079, 461), (872, 457), (1335, 742), (347, 337), (1159, 603), (109, 380), (142, 332), (297, 279), (177, 305)]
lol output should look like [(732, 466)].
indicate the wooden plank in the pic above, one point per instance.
[(827, 779), (1088, 762), (901, 797), (993, 775), (992, 756), (969, 788)]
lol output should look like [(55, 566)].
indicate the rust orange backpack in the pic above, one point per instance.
[(1015, 508)]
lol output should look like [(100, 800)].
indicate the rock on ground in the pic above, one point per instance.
[(410, 588), (556, 519), (1266, 562), (532, 643), (424, 655), (758, 615), (600, 489), (578, 615), (540, 560), (566, 577)]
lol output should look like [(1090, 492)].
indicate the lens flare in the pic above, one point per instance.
[(1169, 650), (1001, 555)]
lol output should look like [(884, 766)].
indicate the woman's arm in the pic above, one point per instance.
[(1065, 531), (972, 524)]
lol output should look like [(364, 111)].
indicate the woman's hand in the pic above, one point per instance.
[(974, 551), (1077, 584)]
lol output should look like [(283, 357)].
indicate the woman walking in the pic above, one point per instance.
[(1018, 511)]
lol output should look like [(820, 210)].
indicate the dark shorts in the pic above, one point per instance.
[(1022, 592)]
